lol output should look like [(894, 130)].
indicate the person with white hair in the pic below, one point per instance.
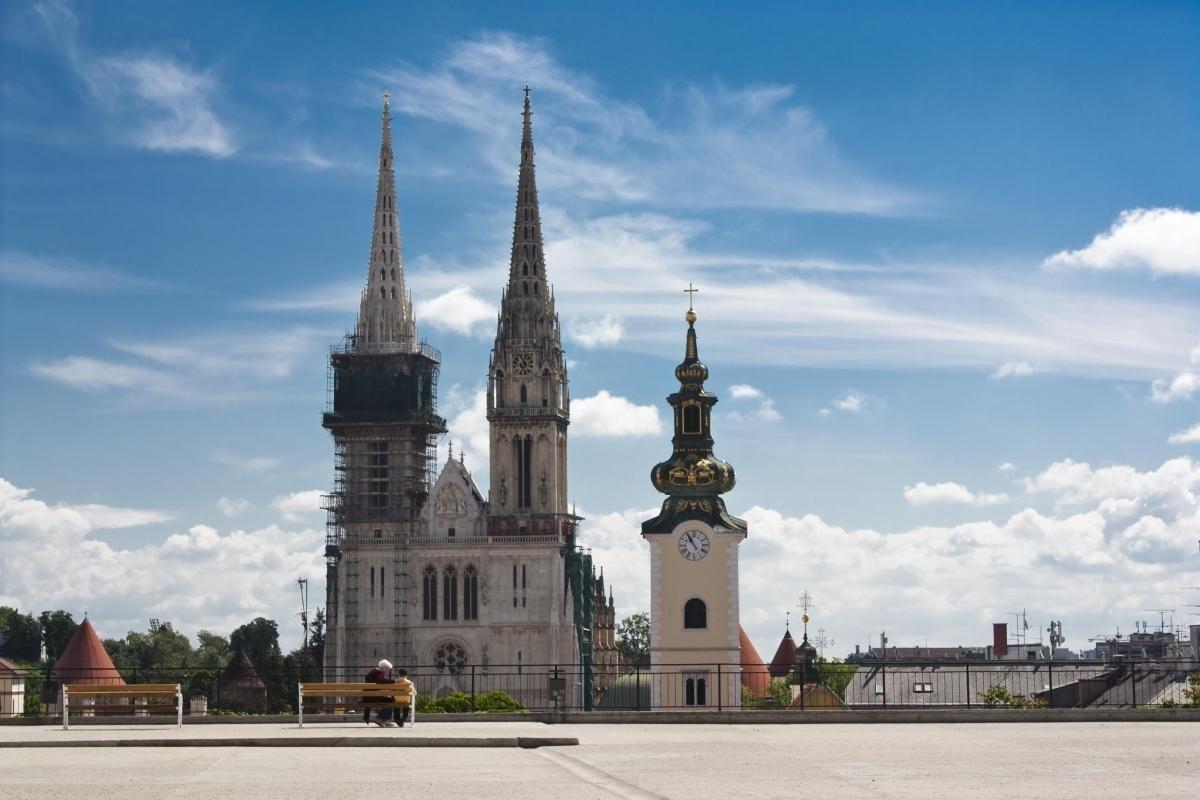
[(381, 674)]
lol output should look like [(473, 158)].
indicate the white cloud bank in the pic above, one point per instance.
[(197, 578), (926, 494), (299, 506), (458, 310), (1182, 386), (608, 415), (1126, 543), (1164, 240), (1188, 436), (1012, 369), (603, 332)]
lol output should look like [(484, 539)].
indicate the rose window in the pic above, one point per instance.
[(451, 658)]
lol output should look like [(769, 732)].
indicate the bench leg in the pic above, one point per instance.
[(178, 707), (300, 703), (66, 699)]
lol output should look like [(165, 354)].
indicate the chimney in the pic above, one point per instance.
[(1000, 639)]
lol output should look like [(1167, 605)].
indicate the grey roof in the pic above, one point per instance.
[(946, 685)]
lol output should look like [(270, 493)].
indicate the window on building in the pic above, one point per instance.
[(695, 692), (923, 688), (378, 533), (695, 614), (429, 594), (524, 395), (524, 584), (372, 581), (382, 592), (378, 474), (450, 658), (470, 593), (450, 532), (691, 419), (450, 593)]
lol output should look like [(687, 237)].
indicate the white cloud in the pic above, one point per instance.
[(1182, 386), (151, 100), (774, 153), (63, 273), (221, 367), (246, 463), (459, 311), (467, 426), (605, 414), (299, 506), (103, 517), (1164, 240), (742, 390), (198, 578), (1188, 436), (925, 494), (852, 402), (602, 332), (1012, 369), (1006, 467), (231, 506), (1174, 485)]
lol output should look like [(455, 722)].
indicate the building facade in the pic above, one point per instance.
[(484, 592)]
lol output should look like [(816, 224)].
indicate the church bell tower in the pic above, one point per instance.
[(694, 556), (528, 405)]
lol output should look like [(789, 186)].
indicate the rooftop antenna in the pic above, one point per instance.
[(1162, 617), (303, 584)]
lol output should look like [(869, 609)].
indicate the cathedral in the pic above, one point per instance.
[(422, 567)]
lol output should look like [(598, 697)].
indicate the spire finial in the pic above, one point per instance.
[(450, 445), (690, 291), (386, 99)]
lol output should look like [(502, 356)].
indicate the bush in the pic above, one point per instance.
[(460, 703), (1001, 697)]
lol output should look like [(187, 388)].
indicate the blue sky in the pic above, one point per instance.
[(948, 254)]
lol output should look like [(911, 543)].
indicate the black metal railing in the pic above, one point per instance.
[(459, 687)]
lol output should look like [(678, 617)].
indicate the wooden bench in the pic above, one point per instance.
[(145, 698), (367, 696)]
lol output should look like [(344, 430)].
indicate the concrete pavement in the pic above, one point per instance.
[(688, 762)]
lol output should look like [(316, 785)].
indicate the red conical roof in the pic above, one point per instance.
[(785, 656), (755, 676), (85, 660)]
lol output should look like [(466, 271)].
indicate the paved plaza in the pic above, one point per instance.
[(687, 762)]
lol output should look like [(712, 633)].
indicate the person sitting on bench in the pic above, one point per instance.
[(381, 674), (406, 688)]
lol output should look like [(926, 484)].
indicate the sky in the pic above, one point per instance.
[(948, 258)]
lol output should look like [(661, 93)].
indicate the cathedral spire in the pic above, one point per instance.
[(385, 318), (527, 266)]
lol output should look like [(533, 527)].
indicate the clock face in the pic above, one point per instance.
[(693, 545), (523, 363)]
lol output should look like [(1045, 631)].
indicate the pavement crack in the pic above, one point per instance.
[(596, 777)]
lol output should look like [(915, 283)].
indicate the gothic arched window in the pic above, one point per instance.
[(429, 594), (524, 395), (450, 593), (470, 593), (451, 658), (695, 614)]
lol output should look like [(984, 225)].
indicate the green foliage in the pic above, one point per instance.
[(1192, 692), (1001, 697), (836, 675), (778, 695), (260, 640), (633, 638), (58, 628), (460, 703), (20, 635), (35, 678)]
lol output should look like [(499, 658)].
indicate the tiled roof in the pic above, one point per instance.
[(9, 668), (946, 685), (755, 675), (785, 656), (85, 660)]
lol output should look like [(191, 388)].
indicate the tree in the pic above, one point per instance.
[(58, 627), (20, 635), (260, 640), (835, 674), (633, 638)]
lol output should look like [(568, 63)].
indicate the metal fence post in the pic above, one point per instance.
[(637, 686), (472, 687), (720, 706), (883, 670), (1133, 682), (968, 672), (1050, 668)]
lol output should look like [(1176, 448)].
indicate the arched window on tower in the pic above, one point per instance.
[(499, 389), (524, 269), (695, 614), (470, 593), (691, 419), (429, 594), (450, 594), (524, 395)]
